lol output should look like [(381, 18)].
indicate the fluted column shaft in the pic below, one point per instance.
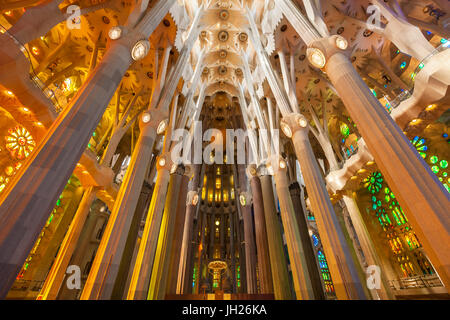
[(159, 276), (281, 286), (147, 249), (416, 187), (175, 249), (310, 254), (26, 204), (340, 262), (265, 272), (302, 280), (56, 275), (367, 246), (102, 277)]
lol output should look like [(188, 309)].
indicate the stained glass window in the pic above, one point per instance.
[(438, 166), (19, 143), (326, 276)]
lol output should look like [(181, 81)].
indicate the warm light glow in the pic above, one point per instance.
[(242, 200), (115, 33), (146, 117), (316, 57), (341, 43), (162, 126), (218, 183), (195, 200), (286, 129), (302, 122), (9, 93), (282, 164), (140, 50), (35, 51), (162, 162), (25, 109)]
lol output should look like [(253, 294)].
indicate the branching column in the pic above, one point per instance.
[(416, 187), (340, 262), (265, 272), (249, 236), (418, 190), (302, 279), (281, 283), (192, 199), (140, 280), (159, 273), (57, 273)]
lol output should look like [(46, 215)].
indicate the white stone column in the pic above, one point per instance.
[(418, 190), (56, 275), (302, 282), (340, 262), (140, 280)]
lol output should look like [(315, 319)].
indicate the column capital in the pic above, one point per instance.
[(320, 51), (292, 123)]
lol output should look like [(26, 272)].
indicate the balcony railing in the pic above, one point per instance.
[(429, 281)]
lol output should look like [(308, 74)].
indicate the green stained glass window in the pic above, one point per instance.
[(443, 164), (345, 131), (419, 144), (373, 182), (435, 169), (434, 159)]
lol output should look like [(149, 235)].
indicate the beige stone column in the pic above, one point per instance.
[(302, 282), (142, 271), (281, 285), (176, 248), (159, 275), (367, 246), (104, 270), (265, 272), (33, 193), (249, 237), (416, 187), (57, 273), (340, 262), (192, 199)]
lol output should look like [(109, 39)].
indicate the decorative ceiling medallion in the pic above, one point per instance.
[(243, 37), (224, 15), (239, 72), (223, 54), (223, 70), (223, 36)]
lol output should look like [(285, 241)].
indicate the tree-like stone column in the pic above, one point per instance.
[(416, 187), (281, 283), (340, 262), (302, 279), (57, 273), (26, 204), (104, 270), (367, 246), (265, 272), (249, 236), (142, 271)]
